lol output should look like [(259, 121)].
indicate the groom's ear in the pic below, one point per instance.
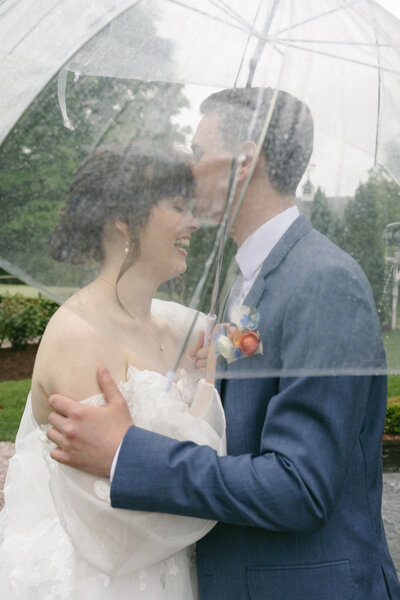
[(247, 154)]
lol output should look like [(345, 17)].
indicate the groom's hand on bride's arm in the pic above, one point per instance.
[(87, 437)]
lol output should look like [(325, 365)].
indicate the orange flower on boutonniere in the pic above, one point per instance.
[(249, 342), (240, 337)]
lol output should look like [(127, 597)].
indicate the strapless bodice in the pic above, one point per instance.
[(59, 534)]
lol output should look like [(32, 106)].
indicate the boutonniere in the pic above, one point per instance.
[(240, 337)]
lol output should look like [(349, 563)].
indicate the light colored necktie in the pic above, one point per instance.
[(230, 278)]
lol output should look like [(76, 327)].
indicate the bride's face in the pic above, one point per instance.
[(164, 241)]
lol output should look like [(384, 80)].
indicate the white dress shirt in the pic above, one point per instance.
[(250, 257), (253, 252)]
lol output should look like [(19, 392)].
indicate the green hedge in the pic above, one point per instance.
[(392, 423), (23, 320)]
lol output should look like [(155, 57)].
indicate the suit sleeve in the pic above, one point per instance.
[(309, 435)]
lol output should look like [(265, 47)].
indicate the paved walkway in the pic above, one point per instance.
[(391, 514), (6, 452)]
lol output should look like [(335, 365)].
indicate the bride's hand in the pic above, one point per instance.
[(204, 358), (198, 354), (87, 437)]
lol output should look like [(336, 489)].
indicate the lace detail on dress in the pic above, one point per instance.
[(150, 406), (60, 537), (45, 555)]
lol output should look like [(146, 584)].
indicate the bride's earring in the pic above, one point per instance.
[(126, 249)]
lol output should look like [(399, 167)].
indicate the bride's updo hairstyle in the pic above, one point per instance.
[(116, 182)]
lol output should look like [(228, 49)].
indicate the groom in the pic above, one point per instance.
[(298, 498)]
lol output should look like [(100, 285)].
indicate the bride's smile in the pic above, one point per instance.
[(183, 244), (165, 240), (129, 211)]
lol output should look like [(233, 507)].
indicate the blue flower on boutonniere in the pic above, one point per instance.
[(246, 317), (240, 337)]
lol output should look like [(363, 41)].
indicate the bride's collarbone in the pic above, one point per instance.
[(147, 355), (139, 335), (152, 336)]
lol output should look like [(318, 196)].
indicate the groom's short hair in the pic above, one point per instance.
[(288, 144)]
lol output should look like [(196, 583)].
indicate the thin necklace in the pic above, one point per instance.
[(134, 316)]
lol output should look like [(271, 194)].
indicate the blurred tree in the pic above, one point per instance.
[(320, 214), (361, 234), (40, 156), (392, 150), (387, 195)]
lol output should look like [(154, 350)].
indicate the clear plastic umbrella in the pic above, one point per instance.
[(79, 77)]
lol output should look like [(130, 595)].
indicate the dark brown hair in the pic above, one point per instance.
[(115, 182), (289, 141)]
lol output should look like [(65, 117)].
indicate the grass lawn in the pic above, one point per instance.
[(391, 340), (394, 386), (12, 403), (392, 345), (13, 396), (58, 293), (24, 290)]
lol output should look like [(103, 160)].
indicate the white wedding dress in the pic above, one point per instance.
[(60, 538)]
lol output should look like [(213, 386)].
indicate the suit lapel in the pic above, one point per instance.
[(300, 227)]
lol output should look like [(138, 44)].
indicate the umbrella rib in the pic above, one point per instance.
[(194, 301), (229, 11), (379, 101), (251, 31), (361, 14), (28, 279), (339, 43), (111, 121), (343, 58), (246, 46), (225, 227), (20, 41), (314, 18), (261, 44), (378, 118), (215, 18), (219, 245)]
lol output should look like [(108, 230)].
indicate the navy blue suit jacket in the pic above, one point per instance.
[(298, 498)]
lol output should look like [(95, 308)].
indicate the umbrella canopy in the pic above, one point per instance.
[(345, 52), (87, 76)]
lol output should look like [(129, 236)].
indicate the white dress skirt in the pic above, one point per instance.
[(60, 539)]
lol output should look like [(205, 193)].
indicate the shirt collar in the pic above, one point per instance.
[(259, 244)]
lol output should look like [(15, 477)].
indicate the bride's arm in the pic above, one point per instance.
[(67, 360), (120, 542), (113, 541)]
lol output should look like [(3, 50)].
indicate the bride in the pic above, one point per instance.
[(59, 536)]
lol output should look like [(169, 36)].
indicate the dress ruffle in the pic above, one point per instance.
[(60, 538)]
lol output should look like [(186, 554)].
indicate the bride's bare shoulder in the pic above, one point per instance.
[(67, 332), (71, 350)]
